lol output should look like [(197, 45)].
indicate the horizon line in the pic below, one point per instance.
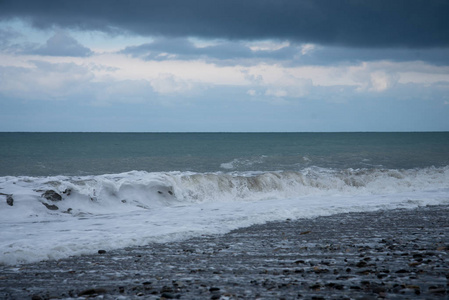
[(208, 132)]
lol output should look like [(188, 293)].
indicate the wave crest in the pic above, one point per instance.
[(143, 190)]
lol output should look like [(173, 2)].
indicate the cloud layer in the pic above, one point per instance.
[(379, 23), (224, 65)]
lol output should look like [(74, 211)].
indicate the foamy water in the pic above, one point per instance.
[(134, 208)]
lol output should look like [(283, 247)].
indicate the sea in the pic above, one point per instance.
[(69, 194)]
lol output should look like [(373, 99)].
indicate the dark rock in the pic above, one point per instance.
[(90, 292), (361, 264), (364, 272), (166, 289), (178, 284), (50, 207), (167, 295), (101, 251), (437, 290), (215, 296), (52, 195), (320, 271), (378, 289), (214, 289), (67, 192), (9, 200)]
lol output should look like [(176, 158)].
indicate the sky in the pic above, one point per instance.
[(224, 65)]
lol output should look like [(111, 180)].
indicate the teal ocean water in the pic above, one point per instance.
[(46, 154)]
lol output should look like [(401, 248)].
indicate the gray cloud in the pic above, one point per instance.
[(370, 23), (338, 55), (182, 48), (6, 35), (62, 44), (69, 82), (293, 54)]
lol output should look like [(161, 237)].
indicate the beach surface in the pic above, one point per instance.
[(395, 254)]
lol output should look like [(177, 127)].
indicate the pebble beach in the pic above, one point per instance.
[(393, 254)]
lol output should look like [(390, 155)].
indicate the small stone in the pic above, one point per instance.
[(364, 272), (214, 289), (90, 292), (378, 289), (167, 295), (215, 296), (178, 284), (361, 264), (319, 270), (101, 251), (166, 289), (437, 290), (412, 287)]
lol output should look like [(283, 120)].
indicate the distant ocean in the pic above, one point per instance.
[(65, 194)]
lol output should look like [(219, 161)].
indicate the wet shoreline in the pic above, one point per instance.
[(396, 254)]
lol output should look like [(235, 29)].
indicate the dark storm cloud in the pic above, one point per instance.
[(370, 23)]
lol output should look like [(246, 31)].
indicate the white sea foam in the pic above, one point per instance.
[(134, 208)]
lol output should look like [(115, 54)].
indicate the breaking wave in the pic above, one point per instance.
[(143, 190), (59, 216)]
